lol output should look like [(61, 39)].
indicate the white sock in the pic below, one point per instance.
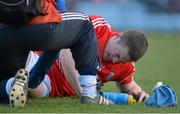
[(9, 85), (88, 84), (47, 86)]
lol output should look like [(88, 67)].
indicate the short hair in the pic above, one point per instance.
[(136, 42)]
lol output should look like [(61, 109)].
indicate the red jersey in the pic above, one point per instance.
[(59, 84), (121, 73)]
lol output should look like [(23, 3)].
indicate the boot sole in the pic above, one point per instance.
[(18, 94)]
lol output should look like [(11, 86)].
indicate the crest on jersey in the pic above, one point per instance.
[(110, 75)]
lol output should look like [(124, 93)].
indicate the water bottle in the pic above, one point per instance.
[(119, 98)]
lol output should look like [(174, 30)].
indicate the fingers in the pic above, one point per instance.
[(142, 96)]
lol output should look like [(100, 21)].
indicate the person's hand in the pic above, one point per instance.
[(139, 94)]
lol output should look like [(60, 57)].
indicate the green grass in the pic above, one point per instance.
[(161, 63)]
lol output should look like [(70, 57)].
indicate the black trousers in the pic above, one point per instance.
[(75, 32)]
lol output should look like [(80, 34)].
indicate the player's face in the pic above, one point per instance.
[(116, 53)]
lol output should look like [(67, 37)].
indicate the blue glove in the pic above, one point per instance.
[(162, 96)]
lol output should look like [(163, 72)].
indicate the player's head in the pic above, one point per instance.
[(129, 46)]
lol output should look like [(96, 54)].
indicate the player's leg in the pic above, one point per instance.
[(43, 90), (74, 29), (11, 61), (42, 67), (19, 89), (85, 54), (47, 56)]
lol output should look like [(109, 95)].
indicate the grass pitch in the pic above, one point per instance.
[(160, 63)]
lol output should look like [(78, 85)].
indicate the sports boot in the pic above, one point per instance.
[(18, 94)]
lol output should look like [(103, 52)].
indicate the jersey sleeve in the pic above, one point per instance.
[(101, 26), (126, 74)]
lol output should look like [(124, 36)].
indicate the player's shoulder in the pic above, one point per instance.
[(95, 17), (96, 20), (99, 21)]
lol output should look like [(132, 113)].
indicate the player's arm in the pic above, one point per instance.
[(71, 74), (133, 89)]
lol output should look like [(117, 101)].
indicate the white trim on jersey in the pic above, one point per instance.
[(103, 25), (100, 22), (97, 19), (73, 13), (126, 78), (74, 16)]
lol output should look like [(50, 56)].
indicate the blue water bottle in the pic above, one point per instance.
[(119, 98)]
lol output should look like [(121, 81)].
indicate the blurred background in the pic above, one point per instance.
[(147, 15)]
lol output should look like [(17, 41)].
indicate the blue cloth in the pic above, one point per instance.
[(162, 96), (61, 5)]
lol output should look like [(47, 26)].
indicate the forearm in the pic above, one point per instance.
[(70, 71), (72, 77), (126, 88), (135, 90)]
